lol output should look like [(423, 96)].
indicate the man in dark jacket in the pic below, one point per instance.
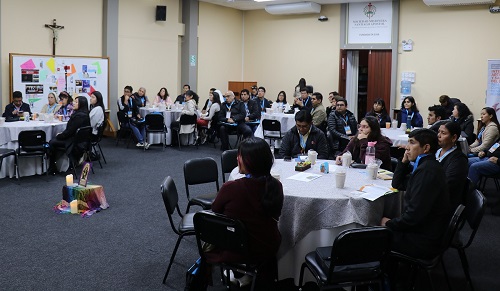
[(303, 137), (232, 117), (252, 112), (419, 230), (17, 107), (448, 104), (342, 126)]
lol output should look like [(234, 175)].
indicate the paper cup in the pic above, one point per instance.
[(339, 179), (372, 171), (394, 124), (387, 125), (311, 156), (403, 126)]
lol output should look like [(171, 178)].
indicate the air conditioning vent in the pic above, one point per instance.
[(294, 8), (457, 2)]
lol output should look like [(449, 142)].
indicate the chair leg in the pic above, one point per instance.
[(102, 154), (301, 278), (172, 257), (465, 266), (16, 161)]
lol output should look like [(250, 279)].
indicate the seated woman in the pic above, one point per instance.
[(190, 109), (96, 111), (257, 201), (409, 112), (163, 97), (205, 119), (487, 133), (64, 140), (52, 106), (485, 164), (454, 162), (66, 109), (462, 115), (369, 130), (380, 112), (280, 101)]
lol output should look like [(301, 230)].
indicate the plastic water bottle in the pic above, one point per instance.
[(370, 152), (408, 124)]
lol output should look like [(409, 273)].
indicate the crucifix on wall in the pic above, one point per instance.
[(54, 27)]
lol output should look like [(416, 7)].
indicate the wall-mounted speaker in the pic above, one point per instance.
[(161, 13)]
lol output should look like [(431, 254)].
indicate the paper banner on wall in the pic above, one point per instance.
[(43, 75), (91, 90), (98, 67), (61, 83), (51, 64), (72, 70), (28, 65)]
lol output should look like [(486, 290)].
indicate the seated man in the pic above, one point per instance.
[(436, 117), (486, 163), (17, 107), (418, 232), (232, 115), (304, 136), (129, 108), (318, 111), (261, 99), (140, 97), (304, 102), (182, 98), (342, 126), (252, 112)]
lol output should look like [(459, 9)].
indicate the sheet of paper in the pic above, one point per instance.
[(373, 192), (304, 177)]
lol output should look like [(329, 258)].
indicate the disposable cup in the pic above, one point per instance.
[(387, 125), (403, 126), (372, 171), (339, 179), (311, 156)]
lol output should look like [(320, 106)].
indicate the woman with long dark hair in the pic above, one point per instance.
[(487, 133), (379, 111), (409, 110), (206, 119), (163, 97), (64, 140), (464, 117), (369, 131), (66, 109), (256, 200), (96, 111)]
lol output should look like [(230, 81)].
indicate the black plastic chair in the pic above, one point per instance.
[(185, 120), (224, 233), (95, 143), (475, 206), (201, 171), (82, 144), (228, 161), (31, 143), (429, 264), (496, 180), (155, 123), (185, 226), (271, 129), (124, 130), (357, 257), (5, 153)]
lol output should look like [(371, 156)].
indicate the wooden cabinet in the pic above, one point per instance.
[(237, 86)]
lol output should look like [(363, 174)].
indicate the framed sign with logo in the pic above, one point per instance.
[(369, 23)]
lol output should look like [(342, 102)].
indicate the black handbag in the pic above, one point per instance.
[(196, 277)]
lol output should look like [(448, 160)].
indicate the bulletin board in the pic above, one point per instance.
[(38, 75)]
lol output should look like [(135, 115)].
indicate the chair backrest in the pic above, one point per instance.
[(360, 245), (200, 171), (451, 231), (228, 161), (155, 121), (475, 206), (122, 117), (83, 137), (187, 119), (170, 200), (32, 140), (221, 231), (271, 125)]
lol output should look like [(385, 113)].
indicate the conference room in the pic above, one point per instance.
[(273, 50)]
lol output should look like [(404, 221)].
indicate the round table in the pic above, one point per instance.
[(169, 116), (398, 136)]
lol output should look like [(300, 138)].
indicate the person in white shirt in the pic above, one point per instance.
[(96, 111), (209, 117)]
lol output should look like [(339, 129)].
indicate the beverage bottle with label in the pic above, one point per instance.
[(408, 124), (370, 153)]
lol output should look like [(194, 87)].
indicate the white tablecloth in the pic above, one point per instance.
[(315, 212), (169, 115), (9, 131), (287, 121), (398, 136)]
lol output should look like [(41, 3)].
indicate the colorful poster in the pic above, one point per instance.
[(493, 88), (369, 22)]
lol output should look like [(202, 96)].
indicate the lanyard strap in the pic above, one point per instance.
[(230, 105), (307, 100), (449, 151)]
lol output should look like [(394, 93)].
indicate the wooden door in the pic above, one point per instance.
[(379, 77), (342, 72)]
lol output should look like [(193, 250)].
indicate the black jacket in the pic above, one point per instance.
[(78, 119), (307, 104), (467, 128), (253, 110), (238, 113), (455, 166), (426, 213), (290, 144), (336, 124), (10, 107), (267, 103)]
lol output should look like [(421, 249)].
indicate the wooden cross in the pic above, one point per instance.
[(54, 27)]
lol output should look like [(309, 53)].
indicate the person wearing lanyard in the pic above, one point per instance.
[(488, 132), (304, 102), (419, 231), (409, 110), (304, 136), (342, 126), (52, 106), (435, 118), (232, 117), (66, 109), (262, 101), (140, 97), (17, 107), (252, 111), (453, 160)]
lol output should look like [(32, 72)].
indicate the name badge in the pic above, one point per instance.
[(347, 129), (493, 147), (228, 114)]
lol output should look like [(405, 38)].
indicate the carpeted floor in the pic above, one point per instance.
[(128, 246)]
